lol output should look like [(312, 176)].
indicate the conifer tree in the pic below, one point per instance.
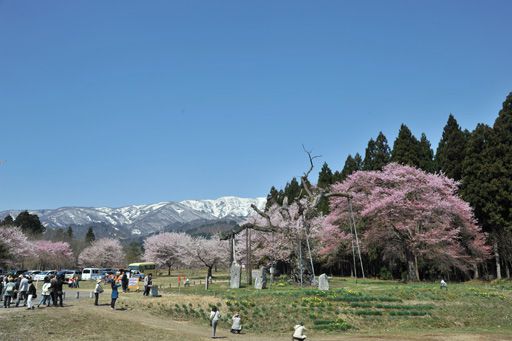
[(292, 190), (69, 233), (451, 150), (325, 177), (29, 223), (8, 220), (352, 164), (426, 155), (377, 153), (406, 148), (272, 197), (90, 237)]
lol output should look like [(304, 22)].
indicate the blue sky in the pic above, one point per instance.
[(109, 103)]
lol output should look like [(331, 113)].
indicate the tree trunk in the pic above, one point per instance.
[(416, 266), (169, 271), (476, 275), (412, 267), (497, 258), (210, 271), (507, 270)]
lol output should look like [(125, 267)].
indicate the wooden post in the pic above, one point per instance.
[(248, 260)]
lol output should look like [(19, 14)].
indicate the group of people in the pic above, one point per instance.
[(23, 290), (236, 326)]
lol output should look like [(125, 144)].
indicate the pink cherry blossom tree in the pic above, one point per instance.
[(407, 215), (207, 252), (167, 249), (105, 252), (14, 246), (54, 255)]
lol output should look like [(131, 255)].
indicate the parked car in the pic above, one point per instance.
[(90, 274), (67, 274), (16, 273), (40, 276), (32, 273)]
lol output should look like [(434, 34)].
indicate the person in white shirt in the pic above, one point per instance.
[(298, 334), (443, 284), (236, 327), (214, 320)]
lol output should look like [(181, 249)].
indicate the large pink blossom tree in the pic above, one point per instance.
[(167, 249), (54, 255), (105, 252), (207, 252), (14, 246), (406, 215)]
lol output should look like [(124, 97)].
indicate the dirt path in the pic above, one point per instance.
[(81, 320)]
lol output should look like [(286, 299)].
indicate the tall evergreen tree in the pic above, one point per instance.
[(377, 153), (29, 223), (8, 220), (426, 154), (352, 164), (69, 233), (292, 190), (406, 148), (451, 150), (89, 236), (325, 177), (272, 198)]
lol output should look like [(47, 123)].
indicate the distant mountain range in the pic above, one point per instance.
[(141, 220)]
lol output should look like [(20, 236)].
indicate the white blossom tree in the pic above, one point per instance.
[(105, 252), (167, 249)]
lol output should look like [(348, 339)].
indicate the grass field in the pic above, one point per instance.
[(355, 310)]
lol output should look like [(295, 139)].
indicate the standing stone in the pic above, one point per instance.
[(261, 278), (235, 273), (323, 282)]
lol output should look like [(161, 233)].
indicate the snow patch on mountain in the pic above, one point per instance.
[(143, 219)]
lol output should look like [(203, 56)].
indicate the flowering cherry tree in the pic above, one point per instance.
[(408, 216), (14, 246), (167, 249), (105, 252), (52, 254), (207, 252)]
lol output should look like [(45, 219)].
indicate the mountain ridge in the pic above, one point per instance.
[(150, 218)]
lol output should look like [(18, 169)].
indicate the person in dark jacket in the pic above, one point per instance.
[(58, 290), (53, 290), (115, 293), (31, 294), (124, 281)]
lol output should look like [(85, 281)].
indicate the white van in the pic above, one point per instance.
[(90, 273)]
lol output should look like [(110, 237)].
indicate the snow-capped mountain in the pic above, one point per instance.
[(144, 219)]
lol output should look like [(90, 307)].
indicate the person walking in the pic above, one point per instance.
[(45, 292), (214, 320), (298, 334), (115, 293), (2, 286), (53, 290), (236, 327), (9, 293), (22, 291), (148, 283), (98, 289), (31, 294)]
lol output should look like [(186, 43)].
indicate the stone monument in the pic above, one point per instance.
[(235, 274), (323, 282), (261, 278)]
